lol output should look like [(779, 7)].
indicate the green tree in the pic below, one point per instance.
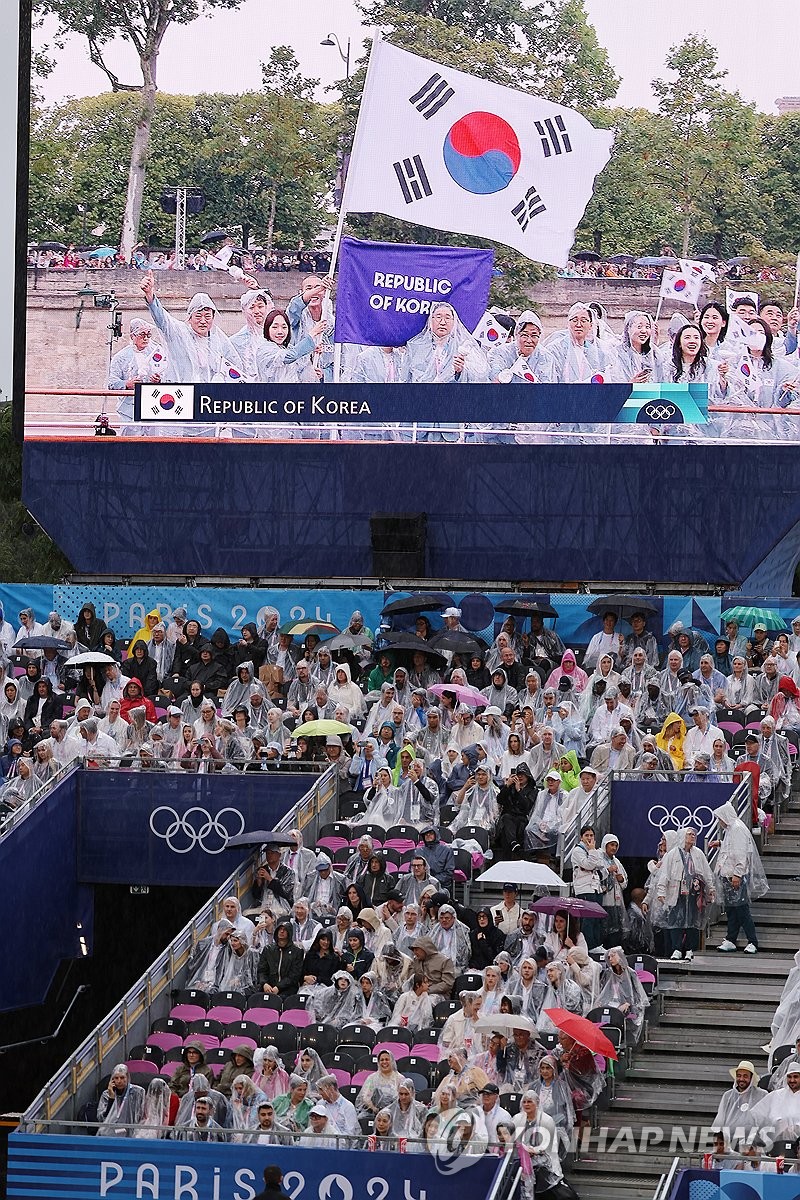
[(629, 211), (280, 176), (708, 154), (143, 24), (780, 144), (546, 47)]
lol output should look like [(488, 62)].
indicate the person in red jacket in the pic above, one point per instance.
[(133, 697)]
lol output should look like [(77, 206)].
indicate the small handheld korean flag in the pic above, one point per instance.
[(489, 332), (731, 296), (440, 148), (693, 267), (681, 285), (167, 402)]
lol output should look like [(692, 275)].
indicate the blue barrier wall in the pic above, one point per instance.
[(640, 812), (502, 512), (95, 827), (48, 911), (159, 828), (63, 1168), (733, 1185)]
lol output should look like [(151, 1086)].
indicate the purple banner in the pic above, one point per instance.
[(385, 291)]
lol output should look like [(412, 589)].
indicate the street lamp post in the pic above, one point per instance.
[(344, 55)]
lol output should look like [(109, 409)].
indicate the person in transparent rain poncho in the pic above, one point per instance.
[(761, 378), (477, 801), (202, 971), (244, 1102), (121, 1104), (269, 1073), (310, 1068), (445, 352), (160, 1105), (739, 877), (255, 305), (620, 988), (380, 1088), (562, 992), (237, 964), (342, 1003), (555, 1098), (197, 350), (681, 894), (408, 1113), (377, 1008), (383, 798)]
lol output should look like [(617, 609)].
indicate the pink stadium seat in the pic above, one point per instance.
[(230, 1043), (297, 1017), (209, 1040), (360, 1078), (400, 843), (144, 1066), (226, 1013), (342, 1077), (188, 1012), (398, 1049), (729, 726), (426, 1050), (165, 1041), (262, 1016), (332, 844)]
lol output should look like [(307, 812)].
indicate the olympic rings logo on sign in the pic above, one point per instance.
[(182, 833), (680, 817), (660, 412)]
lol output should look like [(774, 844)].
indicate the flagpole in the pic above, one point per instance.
[(796, 281), (337, 237)]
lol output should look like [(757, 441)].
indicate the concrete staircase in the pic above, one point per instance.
[(716, 1011)]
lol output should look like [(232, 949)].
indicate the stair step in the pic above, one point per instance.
[(691, 1017)]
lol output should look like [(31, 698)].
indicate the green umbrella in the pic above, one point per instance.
[(748, 617), (320, 729)]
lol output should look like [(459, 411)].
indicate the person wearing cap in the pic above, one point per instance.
[(324, 889), (775, 1117), (516, 801), (197, 351), (506, 915), (759, 646), (452, 620), (319, 1134), (492, 1109), (255, 304), (521, 356), (700, 736), (753, 753)]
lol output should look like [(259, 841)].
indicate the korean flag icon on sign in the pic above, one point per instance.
[(168, 402)]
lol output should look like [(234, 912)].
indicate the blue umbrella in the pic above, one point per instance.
[(102, 252), (650, 261)]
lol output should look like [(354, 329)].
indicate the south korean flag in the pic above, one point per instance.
[(167, 402)]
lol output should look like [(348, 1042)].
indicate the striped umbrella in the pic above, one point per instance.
[(301, 628), (747, 617)]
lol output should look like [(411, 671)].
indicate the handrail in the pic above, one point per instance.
[(742, 802), (662, 1193), (10, 820), (153, 988), (590, 814)]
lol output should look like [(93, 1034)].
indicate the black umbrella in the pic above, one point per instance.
[(586, 256), (41, 643), (50, 246), (406, 644), (738, 260), (522, 606), (621, 258), (421, 602), (623, 606), (706, 258), (261, 837), (454, 641), (214, 235)]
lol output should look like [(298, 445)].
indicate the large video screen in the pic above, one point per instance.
[(554, 221)]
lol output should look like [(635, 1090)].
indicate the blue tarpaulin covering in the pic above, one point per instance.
[(695, 514)]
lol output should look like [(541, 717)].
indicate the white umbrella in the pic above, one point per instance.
[(92, 658), (505, 1021), (525, 874)]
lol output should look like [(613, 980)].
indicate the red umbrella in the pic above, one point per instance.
[(570, 904), (466, 695), (583, 1031)]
